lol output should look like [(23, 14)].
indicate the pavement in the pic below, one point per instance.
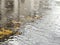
[(44, 31)]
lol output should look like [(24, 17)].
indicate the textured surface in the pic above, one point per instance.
[(44, 31)]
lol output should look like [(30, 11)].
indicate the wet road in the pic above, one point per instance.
[(44, 31)]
